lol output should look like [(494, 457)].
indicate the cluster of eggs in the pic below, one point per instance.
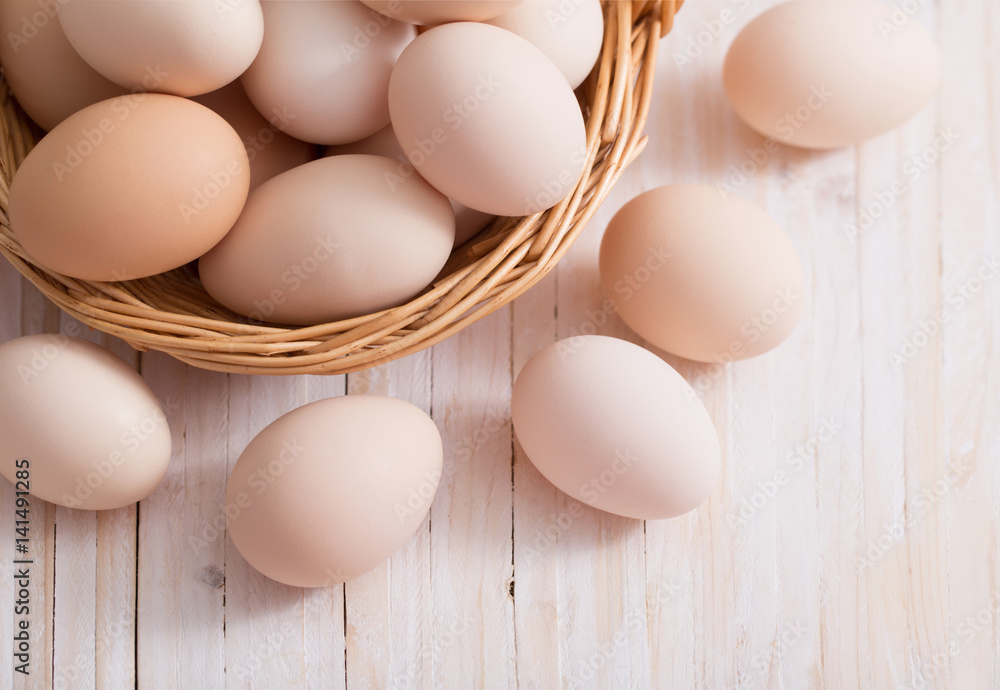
[(331, 489), (319, 159)]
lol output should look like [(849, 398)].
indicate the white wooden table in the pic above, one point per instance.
[(852, 541)]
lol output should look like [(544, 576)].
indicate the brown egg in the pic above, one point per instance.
[(705, 278), (49, 79), (81, 427), (330, 490), (270, 150), (614, 426), (333, 239), (129, 187)]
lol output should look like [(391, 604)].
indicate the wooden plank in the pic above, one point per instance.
[(970, 250), (472, 620), (181, 576)]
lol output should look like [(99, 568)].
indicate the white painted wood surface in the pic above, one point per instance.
[(874, 563)]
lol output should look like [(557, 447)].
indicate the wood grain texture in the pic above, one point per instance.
[(852, 540)]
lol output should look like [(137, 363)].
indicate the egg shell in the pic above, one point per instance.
[(324, 69), (92, 432), (441, 11), (48, 77), (487, 119), (468, 221), (269, 150), (129, 187), (614, 426), (700, 276), (182, 48), (330, 490), (569, 32), (823, 75), (332, 239)]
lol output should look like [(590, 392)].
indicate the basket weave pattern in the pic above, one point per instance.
[(172, 312)]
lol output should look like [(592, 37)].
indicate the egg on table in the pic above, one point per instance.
[(330, 490), (704, 277), (81, 427), (615, 427)]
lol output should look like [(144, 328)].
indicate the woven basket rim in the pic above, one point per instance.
[(172, 313)]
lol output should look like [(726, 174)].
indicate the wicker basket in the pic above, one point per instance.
[(172, 313)]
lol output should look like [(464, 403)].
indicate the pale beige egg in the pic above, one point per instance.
[(487, 119), (129, 187), (704, 277), (823, 75), (614, 426), (81, 427), (333, 239), (330, 490)]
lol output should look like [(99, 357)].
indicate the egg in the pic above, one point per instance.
[(333, 239), (49, 79), (487, 119), (182, 48), (823, 75), (129, 187), (700, 276), (330, 490), (468, 221), (81, 427), (441, 11), (615, 427), (269, 150), (324, 69), (569, 32)]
